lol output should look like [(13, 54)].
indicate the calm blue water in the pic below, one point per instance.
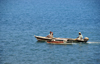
[(20, 20)]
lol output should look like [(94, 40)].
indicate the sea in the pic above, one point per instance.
[(20, 20)]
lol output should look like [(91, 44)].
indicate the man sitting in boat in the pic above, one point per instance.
[(79, 37), (50, 35)]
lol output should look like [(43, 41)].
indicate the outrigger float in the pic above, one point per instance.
[(61, 40)]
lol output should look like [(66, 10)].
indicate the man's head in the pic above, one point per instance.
[(51, 32), (79, 33)]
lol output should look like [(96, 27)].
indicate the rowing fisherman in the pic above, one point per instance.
[(50, 35), (80, 36)]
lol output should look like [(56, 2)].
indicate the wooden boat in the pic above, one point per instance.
[(60, 40), (66, 41), (40, 38), (79, 40), (57, 42)]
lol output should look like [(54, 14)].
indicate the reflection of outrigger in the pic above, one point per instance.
[(61, 40)]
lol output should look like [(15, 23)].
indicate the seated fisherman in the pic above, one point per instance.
[(80, 36), (50, 35)]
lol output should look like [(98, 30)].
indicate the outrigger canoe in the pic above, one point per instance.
[(60, 40)]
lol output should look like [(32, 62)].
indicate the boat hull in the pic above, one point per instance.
[(77, 41), (58, 42), (40, 38)]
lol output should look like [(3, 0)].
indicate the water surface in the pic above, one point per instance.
[(21, 20)]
